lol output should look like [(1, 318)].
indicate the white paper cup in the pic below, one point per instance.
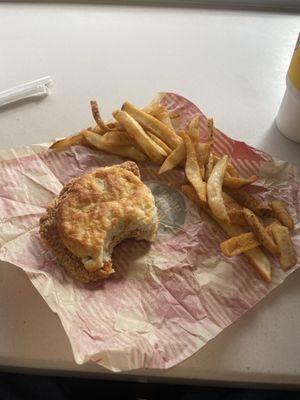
[(288, 117)]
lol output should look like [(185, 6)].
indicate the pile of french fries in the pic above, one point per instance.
[(215, 185)]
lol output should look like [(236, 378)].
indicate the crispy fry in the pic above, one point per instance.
[(96, 129), (230, 202), (237, 217), (97, 117), (214, 190), (269, 229), (124, 151), (153, 125), (162, 115), (283, 240), (239, 244), (134, 129), (233, 182), (247, 200), (174, 114), (203, 151), (113, 125), (69, 141), (260, 231), (194, 129), (210, 127), (192, 169), (234, 210), (255, 256), (175, 158), (190, 192), (230, 168), (281, 213), (118, 138), (209, 167), (152, 106), (158, 111), (175, 119), (260, 263), (160, 143)]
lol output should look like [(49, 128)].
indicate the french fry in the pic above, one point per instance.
[(214, 190), (112, 124), (151, 107), (233, 182), (97, 117), (118, 138), (158, 111), (239, 244), (160, 143), (260, 231), (245, 241), (255, 256), (175, 158), (234, 210), (247, 200), (175, 119), (162, 115), (209, 167), (237, 217), (152, 124), (96, 129), (69, 141), (174, 114), (202, 153), (190, 193), (194, 129), (124, 151), (260, 263), (231, 170), (202, 149), (283, 240), (134, 129), (115, 126), (210, 128), (281, 213), (269, 229), (192, 169), (230, 202)]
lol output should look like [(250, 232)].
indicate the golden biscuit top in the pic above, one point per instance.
[(99, 206)]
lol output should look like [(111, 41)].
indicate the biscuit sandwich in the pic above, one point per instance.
[(95, 212)]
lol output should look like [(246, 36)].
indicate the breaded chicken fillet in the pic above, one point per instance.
[(95, 212)]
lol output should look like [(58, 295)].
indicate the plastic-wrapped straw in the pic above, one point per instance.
[(38, 87)]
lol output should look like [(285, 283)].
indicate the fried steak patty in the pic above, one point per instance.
[(92, 214)]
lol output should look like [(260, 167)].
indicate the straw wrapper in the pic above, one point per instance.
[(34, 89), (166, 299)]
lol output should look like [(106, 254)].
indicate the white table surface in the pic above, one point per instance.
[(233, 65)]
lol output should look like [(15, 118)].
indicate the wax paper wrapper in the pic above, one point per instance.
[(166, 299)]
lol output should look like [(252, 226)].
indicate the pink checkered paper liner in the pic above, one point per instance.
[(167, 299)]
